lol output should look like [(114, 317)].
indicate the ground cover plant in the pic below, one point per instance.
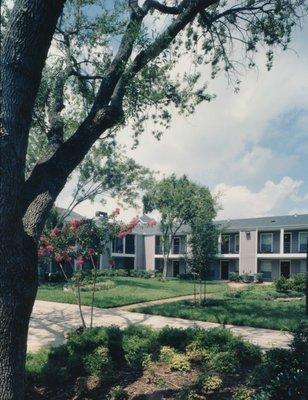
[(127, 290), (141, 363), (258, 306)]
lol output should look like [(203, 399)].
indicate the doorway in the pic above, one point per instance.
[(285, 268), (224, 270), (176, 268)]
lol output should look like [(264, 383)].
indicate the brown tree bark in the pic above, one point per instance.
[(18, 285)]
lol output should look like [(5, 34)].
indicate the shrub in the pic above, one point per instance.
[(283, 284), (195, 353), (143, 274), (138, 342), (187, 277), (223, 362), (299, 282), (187, 393), (234, 277), (99, 363), (177, 361), (115, 345), (85, 342), (217, 339), (258, 278), (283, 373), (243, 393), (104, 285), (246, 353), (117, 393), (246, 278), (176, 338), (209, 383)]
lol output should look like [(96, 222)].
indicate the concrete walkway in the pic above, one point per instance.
[(51, 321), (130, 307)]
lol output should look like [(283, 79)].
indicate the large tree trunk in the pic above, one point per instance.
[(18, 285)]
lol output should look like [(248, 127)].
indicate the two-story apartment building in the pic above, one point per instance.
[(273, 246)]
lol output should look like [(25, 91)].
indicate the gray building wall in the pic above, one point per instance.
[(140, 252), (248, 256)]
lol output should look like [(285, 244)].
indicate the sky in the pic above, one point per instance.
[(250, 148)]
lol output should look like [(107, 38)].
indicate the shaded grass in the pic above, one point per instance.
[(127, 291), (254, 307)]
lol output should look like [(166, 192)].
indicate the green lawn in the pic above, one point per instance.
[(127, 291), (256, 307)]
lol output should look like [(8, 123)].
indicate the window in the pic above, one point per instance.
[(266, 269), (237, 243), (287, 243), (225, 244), (158, 245), (302, 266), (176, 245), (303, 237), (266, 242), (130, 244), (118, 245)]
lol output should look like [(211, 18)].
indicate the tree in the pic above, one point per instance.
[(108, 173), (203, 242), (117, 61), (178, 201)]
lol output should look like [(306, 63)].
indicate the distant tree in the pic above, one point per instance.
[(203, 246), (178, 201), (106, 172), (84, 69)]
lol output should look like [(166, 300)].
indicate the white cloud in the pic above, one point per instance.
[(240, 202), (222, 142)]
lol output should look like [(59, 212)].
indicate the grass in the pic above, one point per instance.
[(127, 291), (255, 306)]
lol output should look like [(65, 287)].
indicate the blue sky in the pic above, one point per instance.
[(251, 148)]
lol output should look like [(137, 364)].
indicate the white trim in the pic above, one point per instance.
[(272, 244), (299, 241), (281, 241), (279, 255), (291, 242), (288, 261), (230, 255), (228, 267)]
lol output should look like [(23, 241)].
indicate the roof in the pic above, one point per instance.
[(72, 215), (267, 223)]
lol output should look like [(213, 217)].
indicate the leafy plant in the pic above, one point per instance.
[(177, 361), (243, 393)]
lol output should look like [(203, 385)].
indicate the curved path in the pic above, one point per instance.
[(50, 322)]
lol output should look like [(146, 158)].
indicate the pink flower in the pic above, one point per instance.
[(91, 251), (80, 261), (49, 248), (58, 257), (55, 232), (66, 256), (41, 252), (75, 224)]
